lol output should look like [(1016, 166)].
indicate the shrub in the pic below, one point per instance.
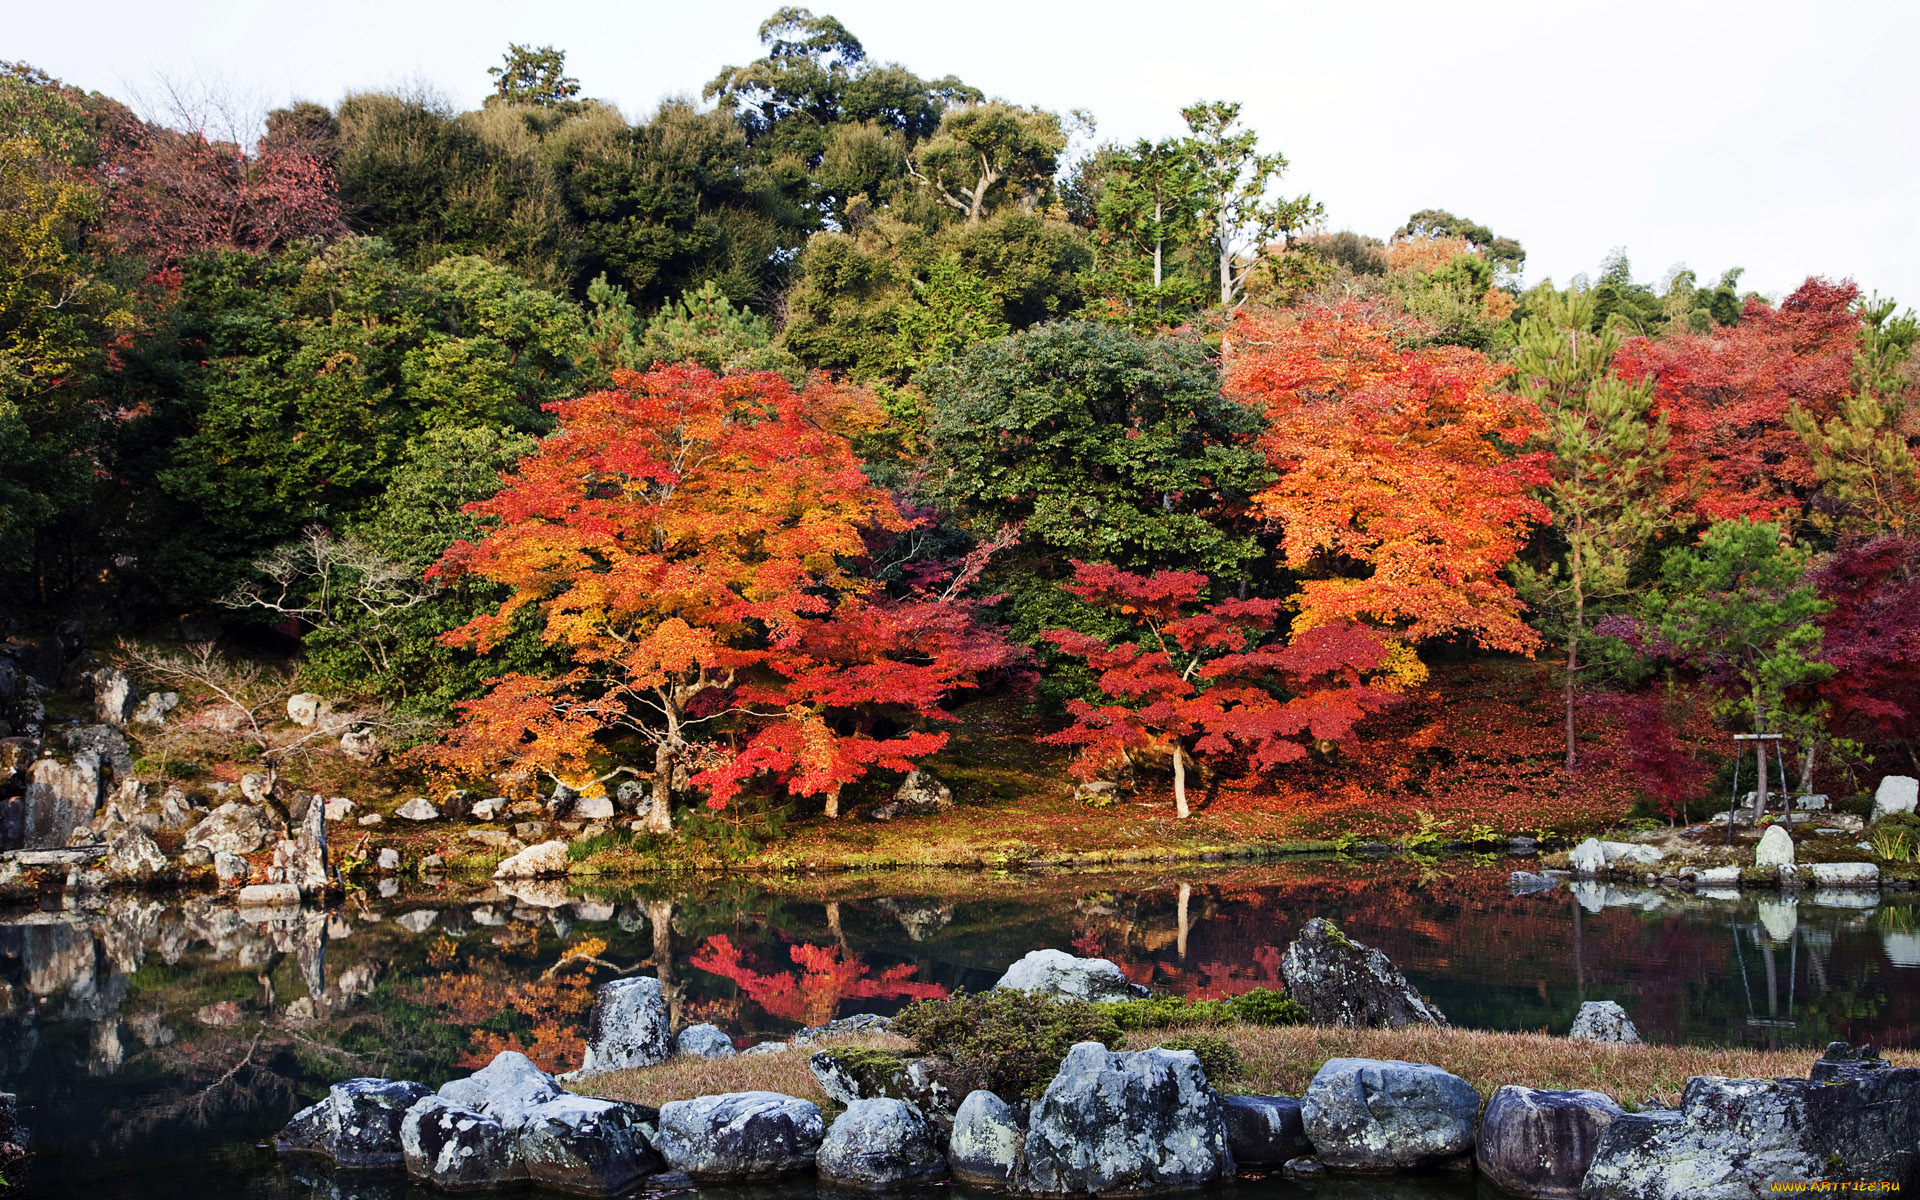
[(1165, 1012), (1009, 1042), (1860, 804), (1264, 1006), (1217, 1057)]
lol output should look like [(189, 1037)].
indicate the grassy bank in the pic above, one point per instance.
[(1281, 1061)]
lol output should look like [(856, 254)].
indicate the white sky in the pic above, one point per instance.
[(1774, 136)]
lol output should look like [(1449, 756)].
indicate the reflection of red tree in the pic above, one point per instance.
[(813, 995)]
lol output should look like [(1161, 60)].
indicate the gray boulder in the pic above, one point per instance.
[(60, 798), (1057, 973), (507, 1089), (628, 1026), (1265, 1131), (1539, 1144), (1603, 1021), (1341, 982), (704, 1041), (1775, 848), (843, 1026), (1860, 1119), (1116, 1121), (848, 1075), (586, 1146), (1523, 883), (227, 866), (154, 709), (1896, 794), (114, 696), (357, 1125), (880, 1145), (985, 1144), (922, 792), (458, 1149), (740, 1135), (233, 828), (1376, 1115), (362, 746), (133, 857), (417, 809), (310, 869), (1588, 858)]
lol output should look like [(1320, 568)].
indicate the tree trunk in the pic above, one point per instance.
[(833, 801), (1760, 791), (1179, 782), (1573, 665), (1158, 240), (660, 816), (1806, 770)]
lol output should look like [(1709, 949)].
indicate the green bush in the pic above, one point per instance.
[(1860, 804), (1008, 1042), (1264, 1006), (1218, 1059)]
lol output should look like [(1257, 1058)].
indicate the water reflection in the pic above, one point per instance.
[(153, 1038)]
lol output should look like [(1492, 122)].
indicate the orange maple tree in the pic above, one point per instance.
[(1201, 681), (693, 542), (1398, 495)]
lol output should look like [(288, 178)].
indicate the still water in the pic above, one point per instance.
[(157, 1043)]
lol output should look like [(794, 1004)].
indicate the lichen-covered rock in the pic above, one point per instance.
[(154, 708), (1341, 982), (1603, 1021), (362, 746), (1775, 848), (311, 870), (1376, 1115), (848, 1075), (133, 857), (114, 696), (1538, 1144), (1588, 858), (270, 895), (545, 860), (1850, 875), (628, 1026), (922, 792), (233, 828), (985, 1144), (1117, 1121), (1733, 1137), (357, 1125), (60, 798), (458, 1149), (740, 1135), (506, 1089), (879, 1145), (13, 1143), (1896, 794), (1265, 1131), (841, 1026), (704, 1041), (1057, 973), (586, 1146)]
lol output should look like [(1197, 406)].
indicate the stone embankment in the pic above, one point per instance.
[(1121, 1122)]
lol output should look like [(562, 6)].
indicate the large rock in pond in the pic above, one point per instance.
[(357, 1125), (1603, 1021), (1734, 1137), (506, 1089), (1116, 1121), (458, 1149), (1057, 973), (546, 860), (1341, 982), (1265, 1131), (628, 1026), (586, 1146), (879, 1145), (848, 1075), (984, 1147), (740, 1135), (133, 857), (1376, 1115), (1775, 848), (1538, 1144)]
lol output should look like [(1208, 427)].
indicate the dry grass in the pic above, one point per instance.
[(685, 1078), (1281, 1062)]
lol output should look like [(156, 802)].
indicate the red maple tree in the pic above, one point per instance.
[(1201, 681), (827, 975), (694, 542)]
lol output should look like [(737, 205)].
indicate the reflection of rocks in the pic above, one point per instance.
[(920, 920), (539, 893), (1780, 917)]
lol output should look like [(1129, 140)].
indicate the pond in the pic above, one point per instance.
[(157, 1044)]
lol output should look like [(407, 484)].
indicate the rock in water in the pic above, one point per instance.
[(984, 1147), (1603, 1021), (879, 1145), (628, 1026), (1844, 874), (535, 862), (1375, 1115), (458, 1149), (506, 1089), (586, 1146), (1341, 982), (1539, 1143), (1896, 794), (848, 1075), (60, 798), (1588, 858), (1117, 1121), (357, 1125), (1734, 1137), (704, 1041), (740, 1135), (1775, 849), (1265, 1131), (1057, 973), (310, 870)]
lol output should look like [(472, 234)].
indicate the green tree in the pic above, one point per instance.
[(1237, 218), (1604, 491), (1863, 455), (1102, 445), (702, 326), (1145, 211), (987, 154), (1504, 252), (1739, 607), (533, 77)]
